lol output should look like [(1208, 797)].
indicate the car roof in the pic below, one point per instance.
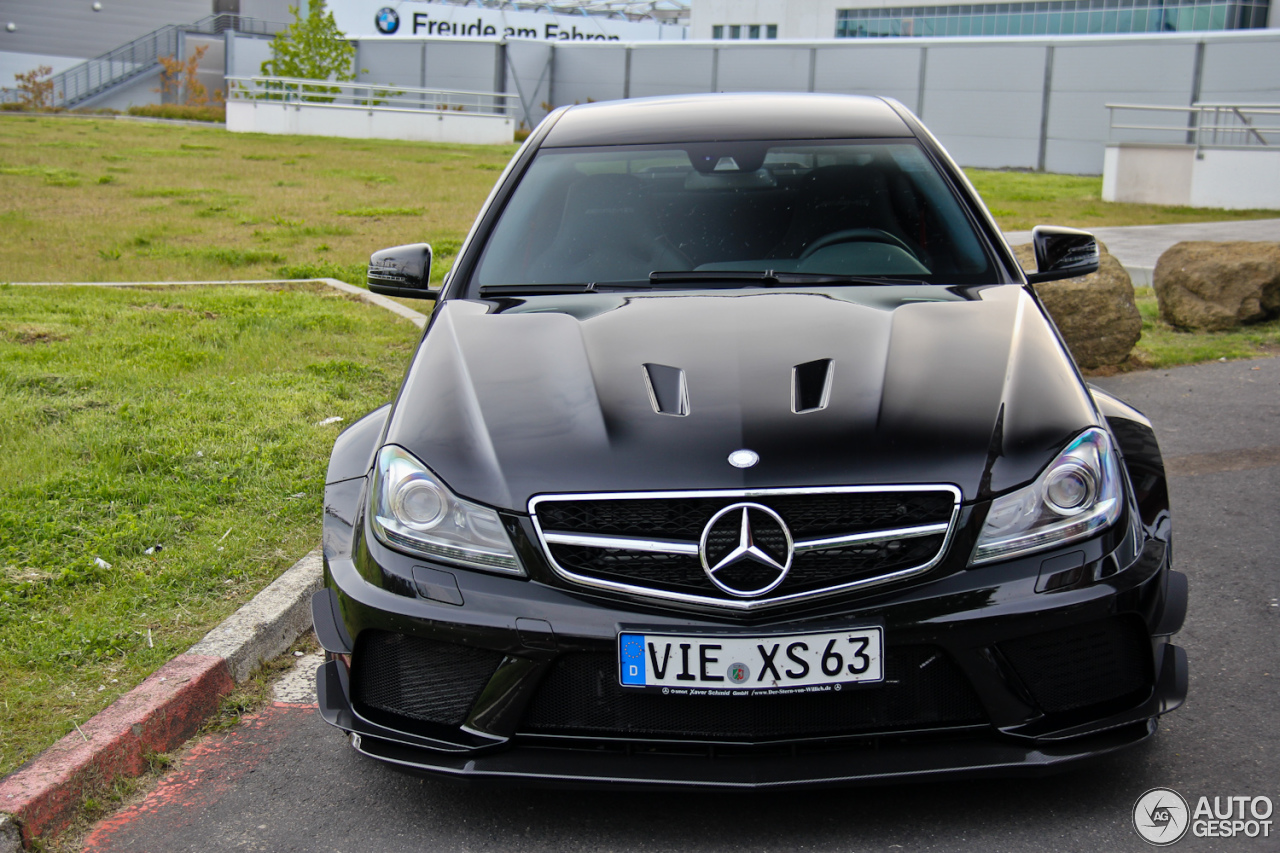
[(725, 117)]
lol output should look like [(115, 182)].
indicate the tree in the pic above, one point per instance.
[(35, 88), (311, 48), (181, 80)]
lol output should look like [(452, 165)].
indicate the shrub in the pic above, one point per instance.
[(35, 88), (188, 112)]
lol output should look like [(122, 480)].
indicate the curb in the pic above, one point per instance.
[(1141, 276), (417, 318), (161, 713)]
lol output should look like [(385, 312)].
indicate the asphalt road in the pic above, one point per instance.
[(286, 782)]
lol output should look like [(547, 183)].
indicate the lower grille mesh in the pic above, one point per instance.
[(922, 688), (1082, 666), (418, 679)]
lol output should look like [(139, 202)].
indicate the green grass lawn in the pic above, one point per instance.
[(105, 200), (94, 199), (188, 418), (1022, 200)]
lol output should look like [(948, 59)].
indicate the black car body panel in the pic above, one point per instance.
[(632, 398), (505, 392), (729, 117)]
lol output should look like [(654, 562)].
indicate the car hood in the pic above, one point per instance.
[(513, 398)]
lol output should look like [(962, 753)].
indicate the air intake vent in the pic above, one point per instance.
[(1084, 665), (811, 386), (397, 679), (668, 390)]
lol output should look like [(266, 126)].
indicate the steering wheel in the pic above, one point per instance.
[(855, 235)]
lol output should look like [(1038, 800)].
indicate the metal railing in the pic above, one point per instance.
[(367, 96), (1205, 125), (94, 76)]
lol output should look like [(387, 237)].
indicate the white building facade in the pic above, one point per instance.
[(821, 19)]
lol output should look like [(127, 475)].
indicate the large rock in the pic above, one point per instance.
[(1212, 287), (1096, 313)]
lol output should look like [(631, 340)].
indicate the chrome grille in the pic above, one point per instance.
[(648, 544)]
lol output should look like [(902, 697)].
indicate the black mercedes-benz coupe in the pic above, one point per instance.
[(740, 452)]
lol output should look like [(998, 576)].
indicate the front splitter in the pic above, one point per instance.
[(863, 765)]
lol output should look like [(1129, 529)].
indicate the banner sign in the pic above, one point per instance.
[(415, 19)]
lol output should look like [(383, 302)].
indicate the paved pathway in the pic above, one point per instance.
[(1142, 245)]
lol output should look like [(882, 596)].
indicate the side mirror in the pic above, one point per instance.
[(1062, 253), (403, 271)]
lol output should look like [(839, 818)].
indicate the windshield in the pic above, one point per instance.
[(617, 214)]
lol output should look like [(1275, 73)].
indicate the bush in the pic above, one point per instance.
[(188, 112), (35, 88)]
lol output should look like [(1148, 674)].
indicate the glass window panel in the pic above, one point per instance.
[(753, 31), (735, 31), (717, 32), (1109, 22), (1217, 17), (1201, 19), (772, 31)]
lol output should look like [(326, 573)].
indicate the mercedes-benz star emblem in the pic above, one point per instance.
[(746, 549)]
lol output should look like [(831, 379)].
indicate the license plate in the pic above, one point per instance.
[(695, 665)]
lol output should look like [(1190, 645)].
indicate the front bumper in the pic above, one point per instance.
[(981, 622)]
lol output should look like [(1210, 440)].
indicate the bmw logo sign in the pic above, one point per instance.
[(388, 20)]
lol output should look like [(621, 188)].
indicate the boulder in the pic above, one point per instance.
[(1211, 287), (1096, 313)]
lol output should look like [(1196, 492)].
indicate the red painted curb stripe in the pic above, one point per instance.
[(211, 768), (156, 716)]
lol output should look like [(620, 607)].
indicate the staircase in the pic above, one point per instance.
[(142, 55)]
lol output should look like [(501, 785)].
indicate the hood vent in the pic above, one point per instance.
[(811, 386), (668, 389)]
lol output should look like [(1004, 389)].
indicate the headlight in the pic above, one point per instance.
[(1076, 496), (412, 510)]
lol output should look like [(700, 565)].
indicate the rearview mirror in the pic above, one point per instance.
[(403, 271), (1062, 253)]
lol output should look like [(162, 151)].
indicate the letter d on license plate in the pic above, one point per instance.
[(694, 665)]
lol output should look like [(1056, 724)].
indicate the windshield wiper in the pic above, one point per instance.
[(729, 278), (724, 278), (490, 290)]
